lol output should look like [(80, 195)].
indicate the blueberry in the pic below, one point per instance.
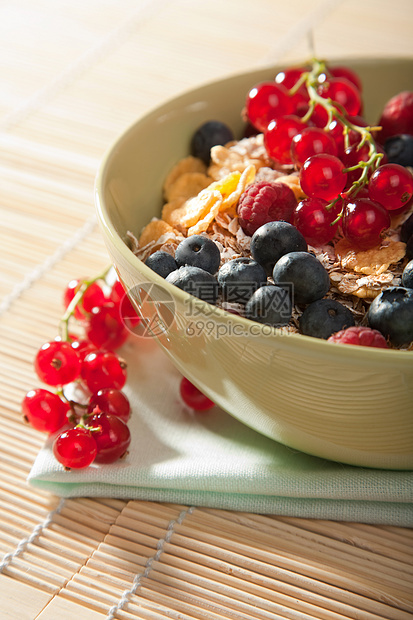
[(399, 149), (195, 281), (391, 313), (325, 317), (239, 278), (198, 251), (273, 240), (406, 230), (407, 275), (208, 135), (409, 248), (270, 305), (303, 275), (162, 263)]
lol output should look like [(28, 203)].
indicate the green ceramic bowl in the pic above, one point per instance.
[(349, 404)]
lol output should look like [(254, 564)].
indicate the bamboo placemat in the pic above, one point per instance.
[(74, 75)]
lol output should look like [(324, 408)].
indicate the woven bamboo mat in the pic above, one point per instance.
[(73, 75)]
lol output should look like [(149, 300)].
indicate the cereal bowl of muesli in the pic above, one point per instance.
[(260, 260)]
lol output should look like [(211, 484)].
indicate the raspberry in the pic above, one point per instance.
[(265, 202), (362, 336)]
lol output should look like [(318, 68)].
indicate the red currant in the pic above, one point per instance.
[(299, 99), (322, 176), (193, 397), (105, 328), (82, 347), (103, 369), (56, 363), (265, 102), (44, 410), (319, 116), (277, 138), (311, 141), (342, 91), (336, 130), (315, 221), (127, 312), (110, 400), (289, 77), (117, 293), (112, 437), (391, 185), (397, 116), (364, 222), (92, 297), (353, 156), (347, 73), (75, 448)]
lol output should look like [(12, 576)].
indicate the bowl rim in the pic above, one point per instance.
[(316, 344)]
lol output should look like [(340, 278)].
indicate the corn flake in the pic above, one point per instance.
[(188, 164), (370, 262), (365, 287), (168, 211), (229, 189), (196, 208), (237, 157), (153, 231), (293, 182), (187, 185)]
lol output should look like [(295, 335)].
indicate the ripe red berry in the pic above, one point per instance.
[(82, 347), (105, 328), (392, 186), (103, 369), (75, 448), (340, 90), (110, 400), (311, 141), (363, 223), (315, 221), (278, 136), (112, 437), (337, 131), (397, 116), (56, 363), (193, 397), (265, 102), (299, 99), (322, 176), (353, 156), (127, 312), (264, 202), (349, 74), (92, 297), (319, 116), (44, 410), (289, 77), (360, 336)]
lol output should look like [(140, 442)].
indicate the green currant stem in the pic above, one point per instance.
[(64, 321), (91, 429)]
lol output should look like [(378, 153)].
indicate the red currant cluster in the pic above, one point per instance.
[(96, 428), (311, 119), (92, 427)]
